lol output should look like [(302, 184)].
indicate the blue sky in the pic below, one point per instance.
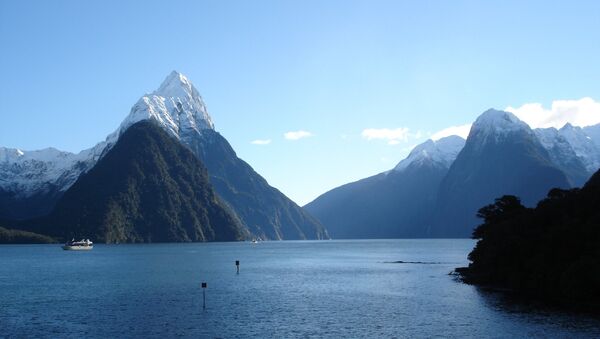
[(70, 72)]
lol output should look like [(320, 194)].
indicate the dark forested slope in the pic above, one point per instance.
[(551, 251), (147, 188)]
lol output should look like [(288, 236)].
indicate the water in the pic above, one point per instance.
[(284, 289)]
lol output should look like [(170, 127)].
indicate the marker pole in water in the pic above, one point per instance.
[(237, 265), (204, 295)]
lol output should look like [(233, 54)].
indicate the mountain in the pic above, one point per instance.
[(574, 150), (32, 182), (563, 155), (502, 155), (147, 188), (583, 146), (265, 211), (593, 132), (393, 204)]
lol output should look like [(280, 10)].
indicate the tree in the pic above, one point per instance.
[(502, 209)]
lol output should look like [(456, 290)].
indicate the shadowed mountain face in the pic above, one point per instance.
[(394, 204), (147, 188), (501, 156), (387, 205), (37, 204), (265, 211)]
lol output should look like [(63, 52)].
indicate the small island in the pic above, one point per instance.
[(550, 252)]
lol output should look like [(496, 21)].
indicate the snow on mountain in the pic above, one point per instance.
[(562, 155), (594, 133), (178, 108), (572, 142), (441, 152), (497, 123), (27, 172), (549, 137), (176, 105), (583, 146)]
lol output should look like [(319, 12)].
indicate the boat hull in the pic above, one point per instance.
[(77, 248)]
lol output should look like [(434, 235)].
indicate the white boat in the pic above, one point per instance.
[(81, 245)]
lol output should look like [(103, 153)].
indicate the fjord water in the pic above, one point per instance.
[(284, 289)]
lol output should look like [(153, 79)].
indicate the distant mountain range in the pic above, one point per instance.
[(119, 195), (36, 184), (437, 190)]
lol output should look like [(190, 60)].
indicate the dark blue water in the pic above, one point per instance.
[(284, 289)]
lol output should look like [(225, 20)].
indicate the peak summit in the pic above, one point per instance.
[(496, 117), (568, 127), (497, 122), (176, 105), (176, 85)]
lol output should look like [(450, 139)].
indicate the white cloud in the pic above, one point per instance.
[(261, 142), (461, 130), (393, 136), (296, 135), (582, 112)]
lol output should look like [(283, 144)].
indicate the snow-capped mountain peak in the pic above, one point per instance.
[(495, 126), (498, 122), (176, 85), (441, 152), (176, 105)]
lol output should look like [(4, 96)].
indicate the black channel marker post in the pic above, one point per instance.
[(204, 285)]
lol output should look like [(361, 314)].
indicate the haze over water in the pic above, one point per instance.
[(284, 289)]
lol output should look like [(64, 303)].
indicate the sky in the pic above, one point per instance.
[(312, 94)]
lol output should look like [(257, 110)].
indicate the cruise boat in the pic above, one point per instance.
[(81, 245)]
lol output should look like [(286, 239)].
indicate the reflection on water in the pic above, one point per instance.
[(284, 289), (537, 311)]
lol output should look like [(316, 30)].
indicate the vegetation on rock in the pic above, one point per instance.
[(551, 251), (147, 188), (10, 236)]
